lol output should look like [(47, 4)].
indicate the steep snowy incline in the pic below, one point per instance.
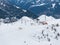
[(27, 31), (49, 19)]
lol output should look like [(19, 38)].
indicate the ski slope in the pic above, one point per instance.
[(27, 31)]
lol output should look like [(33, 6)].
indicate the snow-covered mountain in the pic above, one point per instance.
[(22, 22), (27, 31), (39, 7), (51, 8), (12, 11)]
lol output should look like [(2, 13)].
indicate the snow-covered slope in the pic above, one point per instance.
[(27, 31)]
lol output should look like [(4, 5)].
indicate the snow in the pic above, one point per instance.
[(24, 10), (52, 0), (1, 3), (59, 3), (38, 1), (37, 5), (49, 19), (53, 5), (21, 1), (16, 6), (26, 18), (26, 31)]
